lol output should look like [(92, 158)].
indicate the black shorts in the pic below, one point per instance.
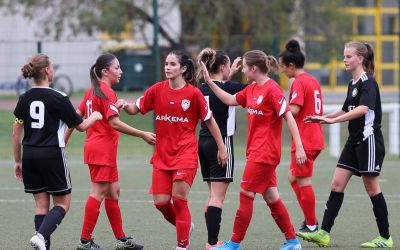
[(210, 169), (44, 169), (364, 158)]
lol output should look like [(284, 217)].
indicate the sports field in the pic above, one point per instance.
[(354, 225)]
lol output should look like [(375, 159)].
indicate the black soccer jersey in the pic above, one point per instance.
[(223, 114), (364, 91), (45, 112)]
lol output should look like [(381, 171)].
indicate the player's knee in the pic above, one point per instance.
[(337, 186)]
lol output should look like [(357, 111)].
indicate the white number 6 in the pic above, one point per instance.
[(317, 102), (36, 111)]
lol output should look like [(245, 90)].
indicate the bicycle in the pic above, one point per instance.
[(61, 82)]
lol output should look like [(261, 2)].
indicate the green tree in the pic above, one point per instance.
[(231, 25)]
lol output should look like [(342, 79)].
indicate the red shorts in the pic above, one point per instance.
[(162, 179), (257, 177), (101, 173), (305, 170)]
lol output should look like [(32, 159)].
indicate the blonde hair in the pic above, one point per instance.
[(366, 51), (213, 59), (266, 63), (35, 67)]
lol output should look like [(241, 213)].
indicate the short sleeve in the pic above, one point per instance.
[(296, 95), (368, 94), (203, 112), (278, 101), (18, 109), (241, 97), (68, 113), (145, 103)]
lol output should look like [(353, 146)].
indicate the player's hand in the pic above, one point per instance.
[(18, 171), (149, 137), (318, 119), (301, 157), (235, 67), (97, 115), (121, 103), (206, 75), (222, 157)]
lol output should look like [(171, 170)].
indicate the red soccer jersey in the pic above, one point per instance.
[(101, 143), (176, 114), (306, 93), (265, 105)]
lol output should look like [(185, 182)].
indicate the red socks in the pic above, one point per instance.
[(167, 209), (92, 211), (306, 198), (243, 218), (114, 217), (183, 221), (308, 204), (281, 216)]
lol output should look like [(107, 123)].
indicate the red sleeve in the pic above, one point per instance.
[(241, 97), (278, 100), (145, 103), (107, 105), (82, 106), (203, 112), (297, 93)]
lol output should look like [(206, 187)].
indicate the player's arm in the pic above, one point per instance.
[(225, 97), (122, 127), (294, 109), (324, 118), (234, 68), (294, 131), (131, 108), (87, 123), (222, 155), (17, 133)]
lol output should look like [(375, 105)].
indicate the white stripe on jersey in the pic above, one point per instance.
[(231, 121), (364, 77), (283, 107), (60, 134), (368, 124), (112, 107), (138, 102), (208, 116)]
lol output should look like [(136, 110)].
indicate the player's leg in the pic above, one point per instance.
[(371, 154), (42, 205), (182, 181)]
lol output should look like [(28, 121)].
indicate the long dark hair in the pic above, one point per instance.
[(103, 62), (366, 51), (213, 59), (185, 60), (292, 54)]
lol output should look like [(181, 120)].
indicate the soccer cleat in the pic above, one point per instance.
[(127, 243), (208, 246), (292, 244), (227, 245), (305, 229), (321, 237), (88, 245), (37, 242), (379, 242)]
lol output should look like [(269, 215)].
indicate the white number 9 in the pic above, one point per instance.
[(36, 111)]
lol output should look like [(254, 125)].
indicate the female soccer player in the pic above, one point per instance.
[(305, 99), (364, 150), (217, 177), (40, 116), (100, 152), (266, 105), (177, 105)]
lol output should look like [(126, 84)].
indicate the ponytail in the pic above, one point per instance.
[(185, 61), (266, 63), (103, 62), (272, 64), (366, 51), (94, 79)]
